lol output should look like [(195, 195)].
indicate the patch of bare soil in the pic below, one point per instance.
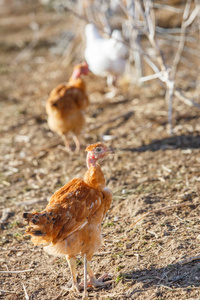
[(150, 170)]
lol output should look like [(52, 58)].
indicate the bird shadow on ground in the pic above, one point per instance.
[(172, 276), (175, 142)]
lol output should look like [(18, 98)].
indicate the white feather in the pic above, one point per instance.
[(105, 56)]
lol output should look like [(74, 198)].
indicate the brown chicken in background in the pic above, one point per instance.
[(66, 106), (71, 222)]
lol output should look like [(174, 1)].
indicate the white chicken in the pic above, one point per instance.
[(105, 57)]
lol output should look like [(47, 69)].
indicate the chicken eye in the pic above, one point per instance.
[(98, 149)]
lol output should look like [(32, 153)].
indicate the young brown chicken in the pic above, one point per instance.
[(66, 106), (71, 222)]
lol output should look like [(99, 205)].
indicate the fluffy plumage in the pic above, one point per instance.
[(66, 106), (71, 222), (68, 209), (105, 57)]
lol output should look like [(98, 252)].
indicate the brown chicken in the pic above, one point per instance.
[(71, 222), (66, 106)]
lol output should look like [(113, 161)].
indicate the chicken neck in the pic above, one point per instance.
[(76, 80), (94, 176), (77, 83), (91, 160)]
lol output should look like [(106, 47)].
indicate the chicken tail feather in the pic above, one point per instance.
[(39, 226), (35, 232), (27, 216)]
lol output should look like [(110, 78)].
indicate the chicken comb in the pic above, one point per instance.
[(81, 65), (93, 146)]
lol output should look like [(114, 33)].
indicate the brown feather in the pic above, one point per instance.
[(71, 222), (94, 177), (68, 209), (66, 105), (93, 146)]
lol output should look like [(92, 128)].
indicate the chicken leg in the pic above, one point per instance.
[(66, 142), (111, 82), (77, 143), (72, 265), (85, 294)]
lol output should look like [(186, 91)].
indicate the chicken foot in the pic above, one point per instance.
[(93, 281), (97, 282)]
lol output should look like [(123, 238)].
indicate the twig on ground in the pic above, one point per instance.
[(165, 286), (153, 233), (189, 259), (16, 272), (13, 249), (103, 253), (61, 294), (122, 116), (160, 210), (178, 288), (58, 296), (25, 292), (4, 291), (107, 295)]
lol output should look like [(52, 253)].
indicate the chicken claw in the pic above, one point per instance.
[(99, 282), (93, 281)]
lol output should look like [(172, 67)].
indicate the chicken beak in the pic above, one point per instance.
[(110, 151)]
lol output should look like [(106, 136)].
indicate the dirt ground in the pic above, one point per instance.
[(150, 169)]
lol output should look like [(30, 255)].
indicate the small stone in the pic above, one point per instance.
[(123, 191), (186, 196), (128, 246)]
